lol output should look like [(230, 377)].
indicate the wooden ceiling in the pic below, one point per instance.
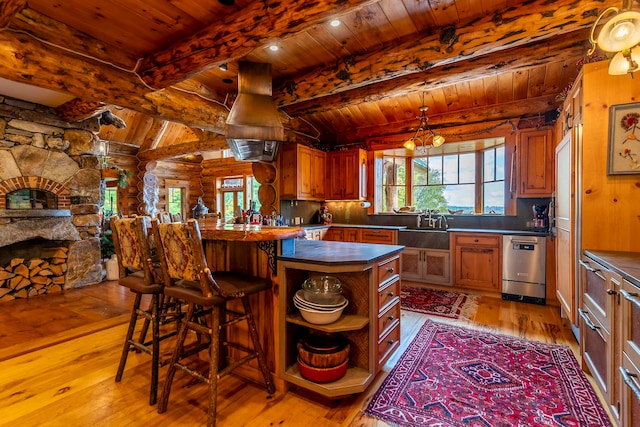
[(156, 63)]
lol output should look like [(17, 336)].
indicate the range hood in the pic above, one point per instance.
[(253, 129)]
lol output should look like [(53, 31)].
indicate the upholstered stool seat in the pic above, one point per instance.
[(140, 276), (187, 278)]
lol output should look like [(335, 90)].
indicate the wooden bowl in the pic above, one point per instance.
[(323, 360), (322, 375)]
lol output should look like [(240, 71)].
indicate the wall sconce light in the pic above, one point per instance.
[(423, 134), (103, 153), (620, 35)]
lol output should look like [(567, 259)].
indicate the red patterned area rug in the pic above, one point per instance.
[(442, 303), (454, 376)]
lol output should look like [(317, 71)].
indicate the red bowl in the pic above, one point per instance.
[(322, 375)]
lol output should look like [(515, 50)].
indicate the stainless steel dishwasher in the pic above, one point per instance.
[(524, 268)]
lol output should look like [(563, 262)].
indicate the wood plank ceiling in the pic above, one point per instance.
[(157, 63)]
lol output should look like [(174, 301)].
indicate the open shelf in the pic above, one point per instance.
[(347, 322), (356, 380)]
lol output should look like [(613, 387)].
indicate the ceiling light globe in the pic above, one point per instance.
[(620, 32), (409, 144), (335, 23), (438, 140), (621, 64)]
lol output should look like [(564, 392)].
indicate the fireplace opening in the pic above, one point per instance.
[(32, 198)]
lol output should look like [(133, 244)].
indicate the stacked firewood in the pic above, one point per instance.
[(24, 278)]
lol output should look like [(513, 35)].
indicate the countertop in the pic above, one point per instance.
[(500, 231), (338, 253), (627, 264), (337, 225), (211, 230)]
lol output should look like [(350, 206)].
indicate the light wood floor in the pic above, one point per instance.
[(59, 354)]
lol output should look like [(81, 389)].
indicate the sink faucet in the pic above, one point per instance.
[(446, 223)]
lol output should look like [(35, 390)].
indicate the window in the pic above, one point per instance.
[(110, 206), (448, 179), (232, 190), (174, 200)]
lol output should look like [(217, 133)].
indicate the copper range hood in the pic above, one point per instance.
[(253, 129)]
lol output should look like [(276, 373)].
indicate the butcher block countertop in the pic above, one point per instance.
[(338, 253), (211, 230), (627, 264)]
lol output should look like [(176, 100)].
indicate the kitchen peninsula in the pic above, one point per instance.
[(370, 277)]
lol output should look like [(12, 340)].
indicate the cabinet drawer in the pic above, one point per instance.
[(388, 293), (630, 409), (389, 317), (600, 289), (378, 235), (388, 268), (597, 352), (387, 344), (477, 240)]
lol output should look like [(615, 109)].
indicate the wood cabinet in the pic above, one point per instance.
[(629, 369), (535, 167), (371, 321), (599, 296), (362, 235), (477, 261), (347, 175), (302, 173), (426, 265)]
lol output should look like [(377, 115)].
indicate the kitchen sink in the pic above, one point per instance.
[(423, 238)]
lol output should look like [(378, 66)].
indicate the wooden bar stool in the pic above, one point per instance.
[(188, 278), (131, 242)]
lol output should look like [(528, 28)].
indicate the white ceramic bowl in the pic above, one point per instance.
[(300, 298), (320, 317), (303, 304)]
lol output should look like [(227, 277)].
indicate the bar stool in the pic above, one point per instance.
[(131, 242), (187, 277)]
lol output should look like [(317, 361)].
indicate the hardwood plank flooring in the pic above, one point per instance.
[(60, 353)]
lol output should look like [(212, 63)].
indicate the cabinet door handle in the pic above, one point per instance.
[(585, 315), (476, 240), (631, 296), (628, 379), (390, 270), (390, 342), (390, 318), (390, 294), (611, 292), (587, 266)]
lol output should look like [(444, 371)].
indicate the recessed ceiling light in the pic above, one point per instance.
[(274, 48), (335, 23)]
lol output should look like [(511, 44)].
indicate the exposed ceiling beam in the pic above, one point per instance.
[(78, 109), (29, 61), (183, 149), (514, 59), (537, 20), (243, 32), (8, 9), (440, 122)]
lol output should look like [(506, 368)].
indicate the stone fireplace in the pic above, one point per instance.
[(50, 197)]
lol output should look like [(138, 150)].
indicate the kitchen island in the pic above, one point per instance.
[(370, 277)]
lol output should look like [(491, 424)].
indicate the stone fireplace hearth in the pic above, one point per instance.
[(42, 156)]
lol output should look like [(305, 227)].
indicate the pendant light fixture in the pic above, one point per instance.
[(620, 35), (424, 138)]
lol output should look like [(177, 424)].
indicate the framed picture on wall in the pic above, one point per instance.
[(624, 139)]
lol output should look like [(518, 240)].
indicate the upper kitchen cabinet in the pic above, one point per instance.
[(535, 163), (347, 175), (302, 173)]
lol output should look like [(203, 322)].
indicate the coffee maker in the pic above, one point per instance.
[(540, 217)]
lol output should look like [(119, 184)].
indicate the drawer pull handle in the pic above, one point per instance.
[(476, 240), (390, 318), (390, 270), (631, 296), (585, 315), (628, 379), (611, 292), (390, 294), (390, 342), (587, 266)]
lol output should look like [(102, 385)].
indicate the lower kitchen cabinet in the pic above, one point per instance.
[(610, 330), (477, 261), (371, 321), (362, 235), (629, 369), (426, 265)]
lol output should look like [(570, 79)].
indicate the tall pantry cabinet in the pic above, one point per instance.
[(594, 210)]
